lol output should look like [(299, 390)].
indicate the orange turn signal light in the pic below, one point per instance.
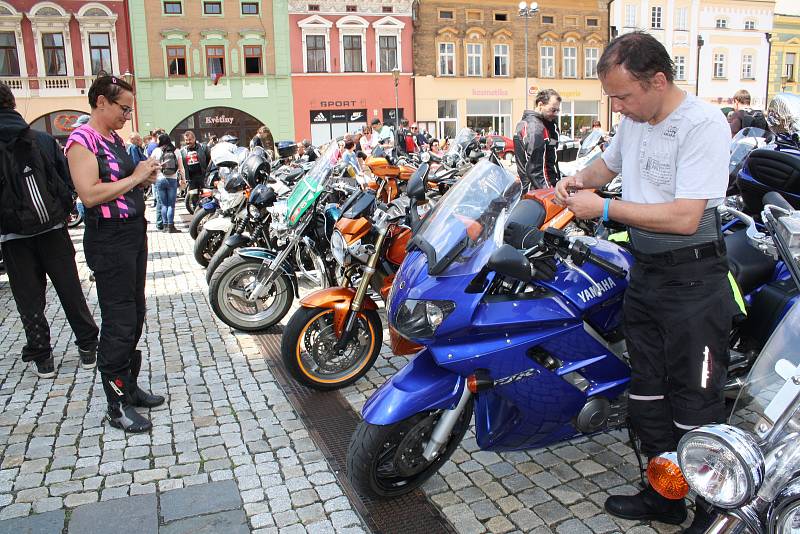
[(666, 477)]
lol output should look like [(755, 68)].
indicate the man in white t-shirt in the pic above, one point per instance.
[(672, 151)]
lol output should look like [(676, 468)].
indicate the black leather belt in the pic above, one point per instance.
[(714, 249), (99, 222)]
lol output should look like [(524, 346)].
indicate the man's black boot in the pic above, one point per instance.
[(647, 505), (703, 517), (140, 397), (121, 413)]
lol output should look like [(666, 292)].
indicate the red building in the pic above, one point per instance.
[(342, 63), (51, 51)]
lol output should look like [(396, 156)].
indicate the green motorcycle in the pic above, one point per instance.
[(254, 289)]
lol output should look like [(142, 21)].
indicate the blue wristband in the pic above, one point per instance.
[(606, 204)]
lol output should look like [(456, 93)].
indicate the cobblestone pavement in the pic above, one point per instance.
[(227, 419)]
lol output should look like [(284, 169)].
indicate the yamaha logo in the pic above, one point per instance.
[(402, 285)]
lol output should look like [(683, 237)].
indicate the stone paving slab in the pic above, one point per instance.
[(201, 499), (46, 523), (132, 515), (231, 522)]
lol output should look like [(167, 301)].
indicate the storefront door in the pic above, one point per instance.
[(217, 122), (58, 123)]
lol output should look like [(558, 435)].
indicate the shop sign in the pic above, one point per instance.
[(350, 115), (337, 103), (219, 119), (489, 92), (319, 116)]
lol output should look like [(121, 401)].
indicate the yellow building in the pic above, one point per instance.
[(783, 76)]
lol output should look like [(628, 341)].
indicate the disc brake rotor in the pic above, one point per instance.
[(408, 459), (320, 342)]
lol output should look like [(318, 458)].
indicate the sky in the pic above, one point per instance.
[(787, 7)]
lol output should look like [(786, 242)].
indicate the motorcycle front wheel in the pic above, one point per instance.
[(198, 220), (206, 245), (386, 461), (307, 348), (226, 293)]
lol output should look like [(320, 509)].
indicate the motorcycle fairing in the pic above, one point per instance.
[(264, 254), (219, 224), (339, 299)]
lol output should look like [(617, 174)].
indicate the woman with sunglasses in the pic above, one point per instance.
[(115, 244)]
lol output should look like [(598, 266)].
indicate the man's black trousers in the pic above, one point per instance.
[(678, 320), (29, 261), (117, 253)]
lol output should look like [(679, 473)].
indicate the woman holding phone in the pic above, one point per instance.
[(115, 244)]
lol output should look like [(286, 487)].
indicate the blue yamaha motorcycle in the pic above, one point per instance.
[(522, 328)]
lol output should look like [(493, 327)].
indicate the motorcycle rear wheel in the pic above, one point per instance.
[(223, 253), (225, 294), (206, 245), (308, 353), (386, 461), (198, 220), (190, 202)]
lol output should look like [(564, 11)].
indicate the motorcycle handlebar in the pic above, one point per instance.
[(611, 268), (775, 198)]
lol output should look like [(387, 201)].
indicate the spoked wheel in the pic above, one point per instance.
[(309, 352), (206, 245), (386, 461), (228, 290), (198, 220), (74, 217), (311, 266)]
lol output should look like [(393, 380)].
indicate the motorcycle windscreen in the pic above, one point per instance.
[(772, 389), (467, 225), (313, 183)]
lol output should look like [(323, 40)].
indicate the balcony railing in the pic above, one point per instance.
[(41, 85)]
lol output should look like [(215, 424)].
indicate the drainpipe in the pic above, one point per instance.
[(612, 32), (126, 9), (700, 43), (769, 59)]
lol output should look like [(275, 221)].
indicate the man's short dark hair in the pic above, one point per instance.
[(7, 100), (742, 96), (375, 121), (404, 122), (639, 53), (544, 96)]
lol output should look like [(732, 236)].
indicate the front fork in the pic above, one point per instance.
[(269, 270), (444, 427)]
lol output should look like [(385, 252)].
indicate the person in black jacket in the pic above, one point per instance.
[(195, 160), (30, 258), (536, 142)]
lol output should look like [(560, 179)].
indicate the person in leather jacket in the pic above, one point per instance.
[(536, 142)]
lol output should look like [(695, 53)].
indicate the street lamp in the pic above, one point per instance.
[(700, 43), (526, 11), (396, 76), (128, 77), (769, 61)]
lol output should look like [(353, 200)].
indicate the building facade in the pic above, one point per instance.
[(783, 75), (343, 54), (470, 60), (215, 67), (51, 51), (728, 36)]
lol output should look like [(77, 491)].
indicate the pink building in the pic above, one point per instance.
[(342, 63)]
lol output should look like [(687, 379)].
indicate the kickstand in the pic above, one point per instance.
[(636, 445)]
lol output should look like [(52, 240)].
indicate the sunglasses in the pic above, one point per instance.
[(126, 110)]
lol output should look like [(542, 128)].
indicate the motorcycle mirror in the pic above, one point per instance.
[(510, 262), (416, 185), (425, 157)]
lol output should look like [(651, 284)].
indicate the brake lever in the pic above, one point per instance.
[(570, 263)]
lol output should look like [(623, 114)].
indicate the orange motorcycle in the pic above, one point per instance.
[(390, 177), (335, 336)]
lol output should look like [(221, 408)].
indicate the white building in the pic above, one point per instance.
[(731, 36)]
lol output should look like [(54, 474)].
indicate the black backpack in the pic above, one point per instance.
[(33, 197), (754, 118), (169, 162)]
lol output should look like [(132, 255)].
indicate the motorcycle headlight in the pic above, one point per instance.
[(229, 201), (338, 247), (785, 519), (420, 318), (723, 464), (253, 212)]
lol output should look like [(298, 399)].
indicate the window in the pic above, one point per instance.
[(682, 18), (721, 24), (547, 56), (592, 23), (447, 118), (501, 60), (630, 16), (680, 67), (315, 53), (249, 8), (570, 62), (474, 59), (55, 62), (388, 51), (313, 7), (252, 59), (501, 17), (100, 53), (446, 14), (788, 65), (747, 67), (474, 15), (9, 60), (719, 65), (489, 115), (387, 9), (215, 61), (548, 19), (176, 61), (590, 65), (351, 9), (352, 53), (655, 17), (173, 8), (212, 8), (749, 25), (447, 59)]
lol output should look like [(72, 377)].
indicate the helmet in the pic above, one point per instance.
[(262, 196), (254, 169), (234, 182)]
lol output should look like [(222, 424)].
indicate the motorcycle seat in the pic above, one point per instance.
[(749, 267), (293, 175), (771, 170), (526, 216)]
